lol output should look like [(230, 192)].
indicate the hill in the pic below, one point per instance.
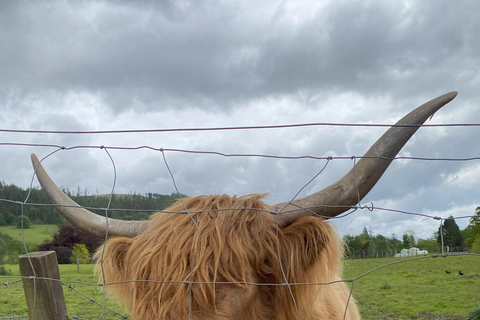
[(132, 206)]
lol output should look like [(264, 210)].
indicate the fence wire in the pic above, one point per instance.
[(107, 312)]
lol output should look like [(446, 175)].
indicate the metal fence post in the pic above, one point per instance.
[(42, 286)]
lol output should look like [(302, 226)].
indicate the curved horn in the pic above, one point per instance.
[(340, 196), (81, 218)]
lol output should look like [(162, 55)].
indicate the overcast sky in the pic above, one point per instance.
[(132, 65)]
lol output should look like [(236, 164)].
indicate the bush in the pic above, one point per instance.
[(474, 314), (3, 249), (26, 222), (476, 244), (64, 241), (4, 272), (80, 251), (10, 219), (386, 286)]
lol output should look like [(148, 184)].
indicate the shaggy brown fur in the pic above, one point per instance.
[(238, 248)]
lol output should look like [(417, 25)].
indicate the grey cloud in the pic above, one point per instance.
[(368, 47), (169, 55)]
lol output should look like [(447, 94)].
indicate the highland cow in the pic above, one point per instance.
[(228, 257)]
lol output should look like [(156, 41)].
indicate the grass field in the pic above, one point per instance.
[(416, 289), (36, 234)]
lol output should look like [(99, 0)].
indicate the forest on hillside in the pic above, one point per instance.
[(37, 209)]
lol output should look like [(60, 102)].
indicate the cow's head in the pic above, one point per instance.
[(224, 257)]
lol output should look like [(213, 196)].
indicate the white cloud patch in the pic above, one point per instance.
[(466, 177)]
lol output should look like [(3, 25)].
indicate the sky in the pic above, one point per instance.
[(83, 66)]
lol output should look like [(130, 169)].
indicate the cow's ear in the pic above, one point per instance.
[(112, 257), (303, 241)]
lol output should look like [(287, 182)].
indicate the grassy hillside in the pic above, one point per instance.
[(36, 234), (418, 289)]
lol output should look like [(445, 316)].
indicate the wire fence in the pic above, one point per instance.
[(107, 312)]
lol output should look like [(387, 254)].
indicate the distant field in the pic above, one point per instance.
[(418, 289), (36, 234)]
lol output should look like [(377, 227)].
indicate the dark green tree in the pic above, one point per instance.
[(406, 241), (411, 238), (354, 245), (365, 230), (472, 231), (381, 245), (3, 250), (452, 236), (9, 218)]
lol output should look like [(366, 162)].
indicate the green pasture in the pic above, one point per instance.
[(83, 297), (36, 234), (415, 289)]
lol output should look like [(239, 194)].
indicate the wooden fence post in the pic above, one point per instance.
[(45, 300)]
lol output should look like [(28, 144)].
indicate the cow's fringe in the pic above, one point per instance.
[(231, 267)]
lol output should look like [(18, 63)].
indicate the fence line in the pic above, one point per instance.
[(280, 126), (249, 155), (163, 150)]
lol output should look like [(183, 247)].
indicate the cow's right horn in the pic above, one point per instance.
[(81, 218)]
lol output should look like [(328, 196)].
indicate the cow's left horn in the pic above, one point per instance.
[(81, 218), (349, 190)]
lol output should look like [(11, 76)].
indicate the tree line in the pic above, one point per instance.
[(38, 211), (367, 245), (139, 207)]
